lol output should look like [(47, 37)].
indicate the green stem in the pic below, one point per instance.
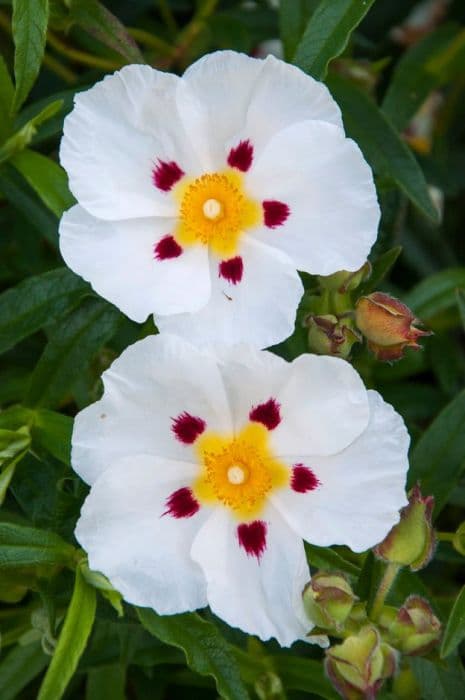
[(385, 586), (445, 536), (154, 42), (168, 17), (82, 57)]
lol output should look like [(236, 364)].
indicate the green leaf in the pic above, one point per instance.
[(303, 674), (293, 18), (36, 302), (436, 294), (455, 628), (106, 682), (72, 345), (7, 93), (438, 459), (14, 445), (207, 652), (27, 546), (326, 558), (381, 144), (413, 79), (328, 33), (29, 26), (23, 137), (460, 295), (20, 667), (439, 682), (52, 431), (381, 268), (72, 641), (100, 23), (47, 178)]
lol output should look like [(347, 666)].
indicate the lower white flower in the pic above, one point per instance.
[(209, 468)]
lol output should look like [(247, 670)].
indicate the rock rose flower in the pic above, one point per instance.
[(199, 197), (209, 469)]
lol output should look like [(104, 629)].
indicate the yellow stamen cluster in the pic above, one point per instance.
[(239, 471), (215, 210)]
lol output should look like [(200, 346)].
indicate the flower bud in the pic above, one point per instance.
[(358, 666), (328, 600), (328, 335), (345, 281), (388, 325), (411, 542), (416, 629)]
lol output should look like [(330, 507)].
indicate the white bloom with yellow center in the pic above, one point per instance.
[(208, 469), (200, 196)]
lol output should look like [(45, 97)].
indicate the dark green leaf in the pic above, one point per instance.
[(96, 19), (47, 178), (23, 137), (35, 302), (26, 546), (106, 682), (6, 100), (72, 345), (72, 641), (303, 674), (19, 667), (328, 33), (436, 294), (206, 651), (460, 295), (413, 80), (380, 143), (438, 459), (380, 268), (439, 682), (293, 18), (52, 431), (326, 558), (12, 442), (455, 628), (29, 26)]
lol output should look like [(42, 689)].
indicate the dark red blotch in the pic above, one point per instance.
[(167, 248), (275, 213), (252, 537), (267, 413), (241, 156), (182, 504), (303, 479), (231, 269), (187, 428), (166, 174)]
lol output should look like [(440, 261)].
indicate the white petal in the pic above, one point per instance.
[(117, 258), (328, 186), (362, 488), (324, 407), (236, 92), (113, 138), (263, 597), (152, 382), (260, 310), (144, 554)]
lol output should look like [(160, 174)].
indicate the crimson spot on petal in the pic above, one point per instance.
[(231, 269), (267, 413), (167, 248), (166, 174), (275, 213), (303, 479), (187, 428), (252, 537), (241, 156), (181, 504)]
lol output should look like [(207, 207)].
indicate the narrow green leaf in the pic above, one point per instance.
[(72, 641), (326, 558), (19, 667), (293, 18), (52, 431), (14, 445), (413, 79), (207, 652), (36, 302), (27, 546), (438, 459), (455, 628), (7, 93), (47, 178), (381, 268), (303, 674), (380, 143), (100, 23), (460, 295), (439, 682), (23, 136), (72, 345), (328, 33), (436, 294), (29, 26)]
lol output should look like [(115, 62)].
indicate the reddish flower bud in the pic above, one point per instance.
[(411, 542), (328, 335), (416, 629), (328, 600), (388, 325)]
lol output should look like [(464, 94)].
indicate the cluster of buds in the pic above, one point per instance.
[(414, 629), (341, 317)]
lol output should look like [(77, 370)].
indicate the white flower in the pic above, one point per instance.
[(208, 470), (200, 196)]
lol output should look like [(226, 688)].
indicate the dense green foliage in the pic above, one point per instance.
[(57, 336)]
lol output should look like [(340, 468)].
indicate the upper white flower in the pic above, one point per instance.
[(209, 469), (200, 196)]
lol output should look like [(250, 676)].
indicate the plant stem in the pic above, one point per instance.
[(445, 536), (59, 69), (168, 17), (83, 57), (385, 585), (154, 42)]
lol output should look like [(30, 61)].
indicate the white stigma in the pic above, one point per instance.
[(236, 475), (212, 208)]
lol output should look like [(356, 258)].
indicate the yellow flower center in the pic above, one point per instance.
[(214, 210), (239, 471)]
